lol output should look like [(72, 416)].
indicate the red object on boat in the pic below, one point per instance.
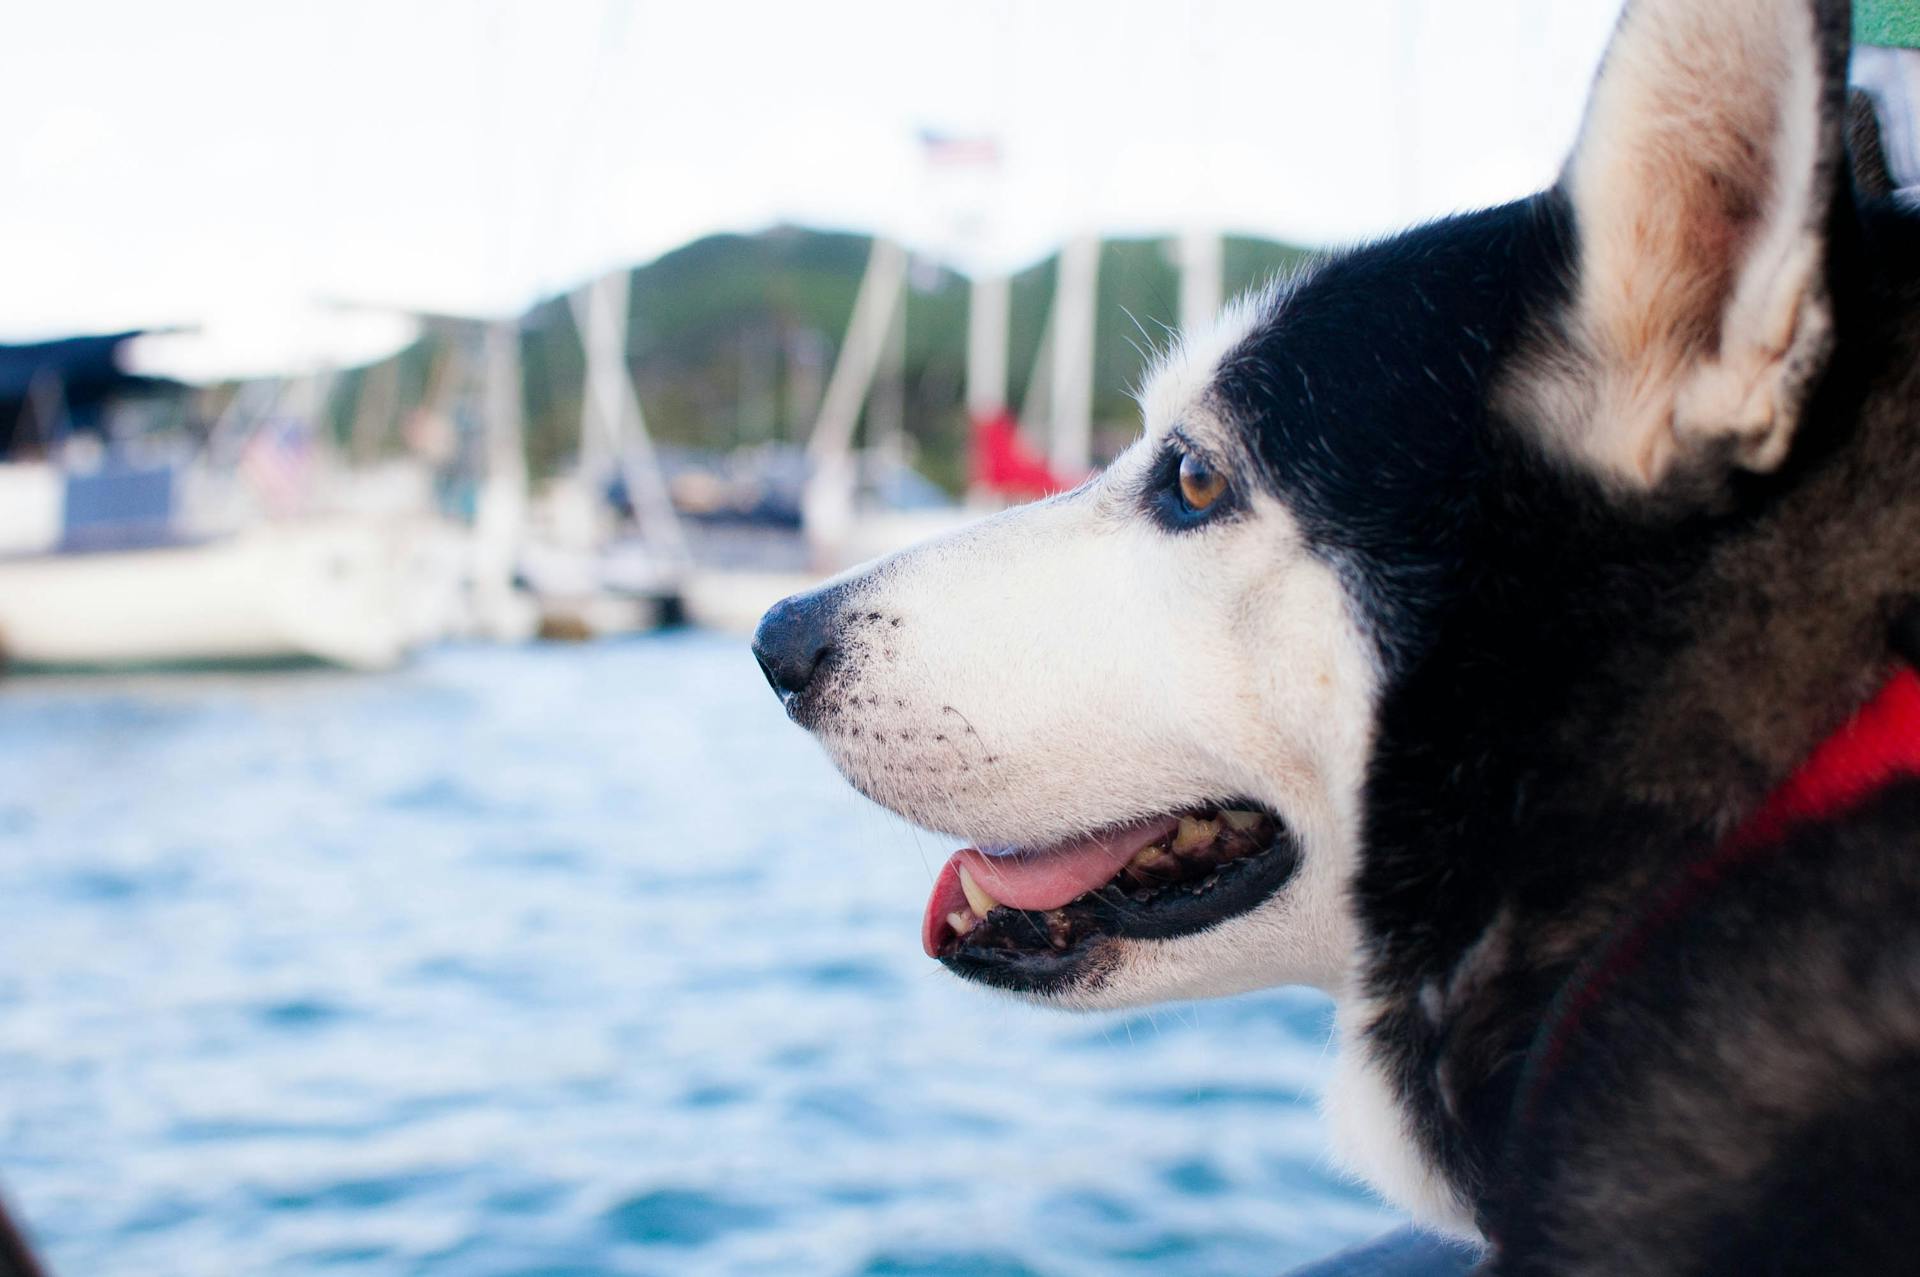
[(1003, 463)]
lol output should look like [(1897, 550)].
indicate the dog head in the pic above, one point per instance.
[(1367, 539)]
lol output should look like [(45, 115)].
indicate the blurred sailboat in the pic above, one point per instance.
[(110, 557)]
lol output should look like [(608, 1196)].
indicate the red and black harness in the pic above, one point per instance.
[(1879, 745)]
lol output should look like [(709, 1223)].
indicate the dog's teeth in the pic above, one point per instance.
[(978, 900), (962, 921), (1241, 820), (1150, 857), (1194, 834)]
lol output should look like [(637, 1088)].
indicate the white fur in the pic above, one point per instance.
[(1370, 1136), (1185, 373)]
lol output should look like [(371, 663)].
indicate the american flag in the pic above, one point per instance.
[(278, 462), (959, 148)]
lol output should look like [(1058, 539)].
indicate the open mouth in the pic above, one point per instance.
[(1033, 919)]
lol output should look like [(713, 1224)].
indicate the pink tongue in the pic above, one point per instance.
[(1043, 879)]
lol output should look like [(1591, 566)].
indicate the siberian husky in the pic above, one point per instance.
[(1504, 627)]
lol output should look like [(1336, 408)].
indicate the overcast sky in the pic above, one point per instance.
[(229, 163)]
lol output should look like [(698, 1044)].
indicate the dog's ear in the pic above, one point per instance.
[(1702, 186)]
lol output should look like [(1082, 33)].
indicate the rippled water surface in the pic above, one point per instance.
[(569, 961)]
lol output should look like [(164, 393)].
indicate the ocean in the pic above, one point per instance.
[(562, 961)]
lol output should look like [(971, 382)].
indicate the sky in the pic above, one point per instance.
[(275, 175)]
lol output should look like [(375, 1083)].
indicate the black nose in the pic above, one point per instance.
[(794, 638)]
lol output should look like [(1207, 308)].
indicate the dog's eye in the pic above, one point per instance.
[(1200, 484)]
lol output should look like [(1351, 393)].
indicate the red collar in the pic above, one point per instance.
[(1878, 745)]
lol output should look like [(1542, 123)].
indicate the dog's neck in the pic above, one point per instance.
[(1790, 623), (1698, 683)]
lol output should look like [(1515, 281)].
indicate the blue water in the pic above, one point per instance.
[(569, 961)]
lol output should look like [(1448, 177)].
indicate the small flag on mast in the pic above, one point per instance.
[(959, 148)]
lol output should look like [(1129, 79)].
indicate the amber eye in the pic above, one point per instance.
[(1200, 484)]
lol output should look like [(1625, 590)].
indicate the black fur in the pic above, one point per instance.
[(1585, 690), (1365, 396), (1749, 1083), (1495, 582)]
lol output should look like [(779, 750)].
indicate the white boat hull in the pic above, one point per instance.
[(732, 601), (329, 590)]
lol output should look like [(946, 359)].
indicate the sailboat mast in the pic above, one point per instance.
[(989, 306), (1071, 411), (1201, 268), (827, 502), (613, 429), (500, 510)]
